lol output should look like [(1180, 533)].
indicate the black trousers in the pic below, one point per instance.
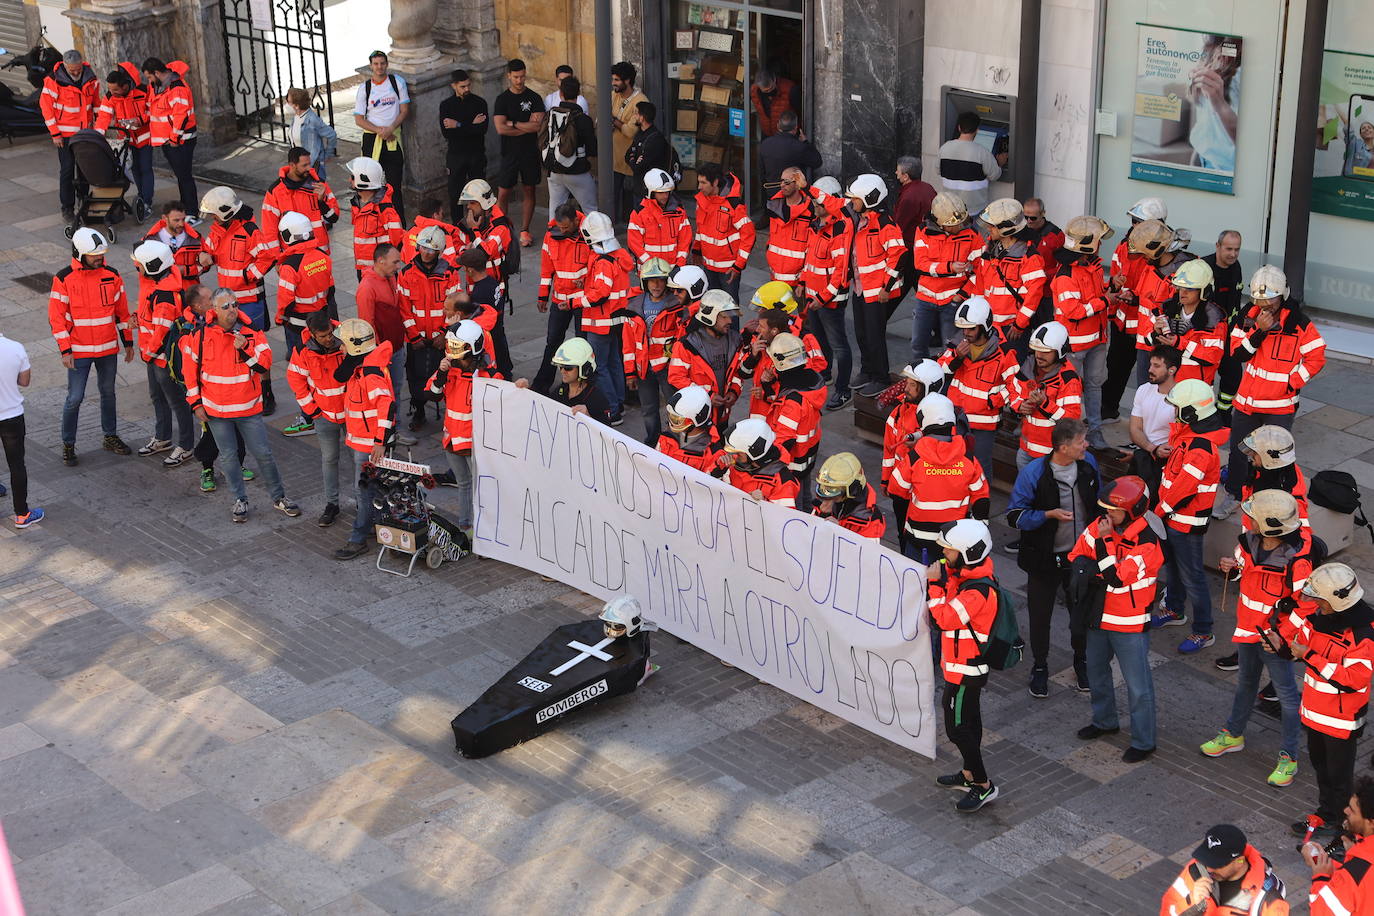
[(393, 162), (1333, 763), (179, 156), (560, 320), (421, 363), (1120, 370), (899, 507), (870, 333), (462, 168), (12, 438), (501, 345), (964, 722), (1042, 590)]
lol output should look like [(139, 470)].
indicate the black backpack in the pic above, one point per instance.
[(1338, 491), (510, 264)]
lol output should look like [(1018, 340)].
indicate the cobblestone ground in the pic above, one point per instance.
[(203, 717)]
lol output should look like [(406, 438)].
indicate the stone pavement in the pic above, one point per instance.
[(203, 717)]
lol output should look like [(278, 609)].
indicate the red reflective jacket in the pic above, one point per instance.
[(369, 402), (964, 612), (171, 110), (374, 223), (1128, 562), (88, 311), (159, 305), (877, 249), (310, 373), (864, 519), (725, 234), (68, 105), (305, 283), (186, 253), (128, 113)]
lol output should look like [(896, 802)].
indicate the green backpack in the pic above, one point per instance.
[(1004, 647)]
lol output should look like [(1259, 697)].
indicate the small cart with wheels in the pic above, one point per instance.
[(407, 523)]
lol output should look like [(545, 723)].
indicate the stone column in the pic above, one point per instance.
[(414, 56), (465, 31), (110, 31)]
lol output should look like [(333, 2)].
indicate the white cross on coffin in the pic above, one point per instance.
[(586, 652)]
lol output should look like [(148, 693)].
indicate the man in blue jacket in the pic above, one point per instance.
[(1054, 498)]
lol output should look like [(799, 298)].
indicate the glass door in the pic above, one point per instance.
[(708, 86)]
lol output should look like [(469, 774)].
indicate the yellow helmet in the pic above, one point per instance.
[(1195, 274), (841, 477), (655, 269), (1193, 399), (357, 336), (576, 353), (775, 294)]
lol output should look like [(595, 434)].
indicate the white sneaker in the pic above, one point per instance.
[(178, 457), (154, 446)]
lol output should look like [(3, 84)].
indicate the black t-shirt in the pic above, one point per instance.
[(1228, 282), (517, 109), (467, 139), (590, 398)]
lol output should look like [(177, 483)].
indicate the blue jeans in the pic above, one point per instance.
[(331, 435), (653, 393), (1187, 577), (461, 466), (364, 519), (983, 442), (1253, 659), (1142, 366), (105, 368), (717, 280), (925, 317), (254, 433), (1091, 366), (1132, 651), (610, 369), (169, 400), (143, 173), (835, 342), (257, 314)]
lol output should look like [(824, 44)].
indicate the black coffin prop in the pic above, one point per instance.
[(530, 700)]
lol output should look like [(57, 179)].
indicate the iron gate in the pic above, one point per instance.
[(272, 46)]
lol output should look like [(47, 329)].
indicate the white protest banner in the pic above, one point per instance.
[(798, 602)]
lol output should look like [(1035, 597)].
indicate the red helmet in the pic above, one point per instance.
[(1129, 494)]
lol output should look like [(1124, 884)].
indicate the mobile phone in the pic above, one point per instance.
[(1359, 152)]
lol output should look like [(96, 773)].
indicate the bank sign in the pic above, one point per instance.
[(1343, 167)]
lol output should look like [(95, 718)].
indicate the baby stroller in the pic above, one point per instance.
[(103, 178)]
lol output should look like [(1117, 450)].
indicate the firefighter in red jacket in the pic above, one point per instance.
[(757, 465), (983, 374), (825, 291), (186, 242), (298, 189), (1190, 322), (68, 101), (963, 604), (465, 358), (563, 261), (1079, 291), (725, 234), (159, 305), (423, 286), (1346, 888), (794, 410), (305, 284), (945, 483), (659, 227), (607, 291), (124, 108), (903, 428), (486, 227), (369, 419), (658, 317), (1281, 351), (942, 254), (1225, 877), (311, 375), (1120, 556), (1332, 634), (1008, 272), (1272, 463), (843, 496), (375, 220), (789, 227), (89, 316), (1047, 391), (876, 279), (755, 364), (172, 121), (430, 209), (1158, 245), (1126, 271), (692, 437), (709, 354), (1187, 492)]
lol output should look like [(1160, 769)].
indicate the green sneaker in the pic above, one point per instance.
[(300, 427), (1284, 772), (249, 475), (207, 480), (1224, 743)]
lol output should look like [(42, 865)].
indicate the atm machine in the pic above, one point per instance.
[(997, 112)]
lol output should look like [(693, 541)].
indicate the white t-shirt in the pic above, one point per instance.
[(555, 98), (1155, 413), (13, 360), (383, 107)]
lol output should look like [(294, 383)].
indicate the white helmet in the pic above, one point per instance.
[(869, 188), (689, 406), (1004, 216), (828, 185), (1334, 583), (576, 353), (464, 339), (974, 312), (479, 191), (432, 238), (1050, 337), (691, 278), (714, 303), (1268, 283), (751, 438), (221, 203), (949, 209), (154, 257), (597, 231), (934, 410), (294, 227), (622, 616), (1149, 208), (929, 373), (87, 241), (1274, 512), (656, 180), (970, 537), (366, 173), (1272, 447), (787, 352), (357, 335)]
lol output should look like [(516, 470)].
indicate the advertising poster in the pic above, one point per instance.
[(1187, 104), (1343, 172)]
